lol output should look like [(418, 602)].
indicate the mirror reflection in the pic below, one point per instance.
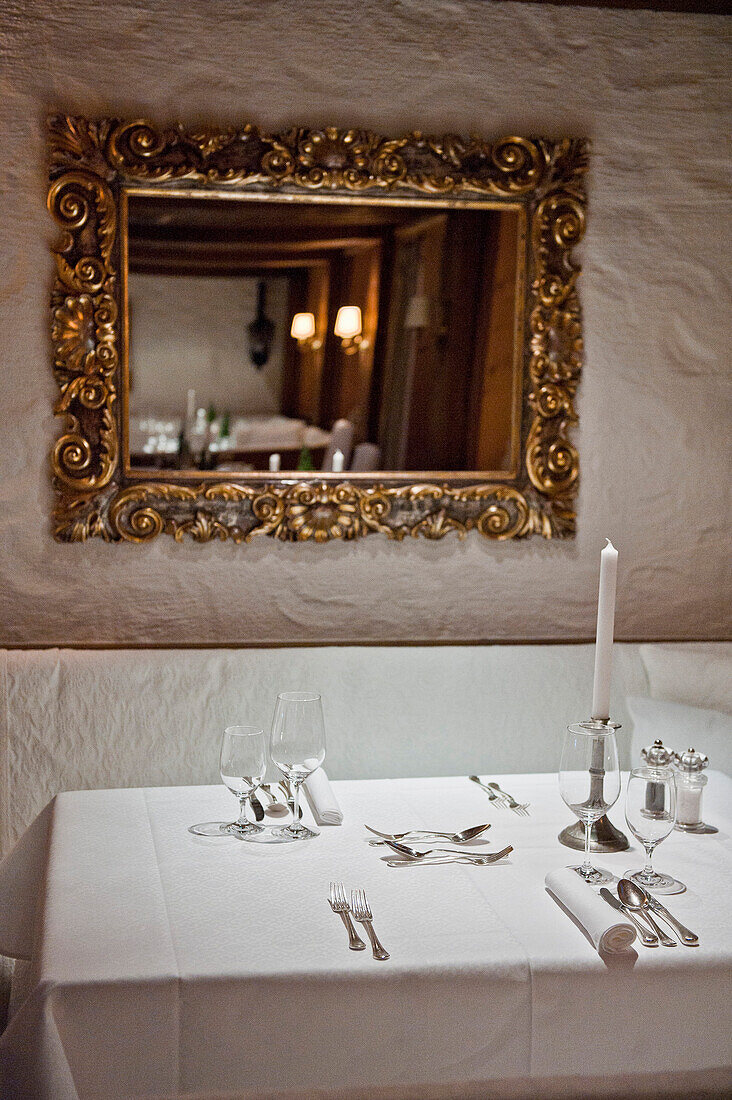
[(289, 335)]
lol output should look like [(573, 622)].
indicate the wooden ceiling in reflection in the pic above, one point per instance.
[(159, 219), (224, 237)]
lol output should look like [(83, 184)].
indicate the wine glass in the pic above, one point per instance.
[(242, 763), (650, 810), (589, 783), (297, 747)]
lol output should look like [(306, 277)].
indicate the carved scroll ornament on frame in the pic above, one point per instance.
[(91, 162)]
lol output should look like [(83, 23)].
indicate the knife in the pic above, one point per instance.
[(647, 938), (685, 934), (257, 807)]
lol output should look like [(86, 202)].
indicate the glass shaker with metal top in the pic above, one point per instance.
[(690, 784), (656, 756)]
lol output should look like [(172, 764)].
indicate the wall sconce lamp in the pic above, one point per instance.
[(303, 330), (348, 327)]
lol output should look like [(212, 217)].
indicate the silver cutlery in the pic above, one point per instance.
[(362, 913), (635, 898), (339, 904), (412, 853), (495, 794), (648, 938), (256, 807), (459, 857), (275, 807), (456, 838), (491, 794), (521, 808), (687, 937)]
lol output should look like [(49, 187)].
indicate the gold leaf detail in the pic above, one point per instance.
[(92, 160)]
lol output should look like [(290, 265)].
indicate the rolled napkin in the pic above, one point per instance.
[(323, 802), (595, 915)]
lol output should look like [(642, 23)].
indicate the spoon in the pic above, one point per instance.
[(687, 937), (412, 853), (455, 838), (275, 808), (634, 897)]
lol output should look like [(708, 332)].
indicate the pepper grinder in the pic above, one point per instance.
[(657, 756), (690, 784)]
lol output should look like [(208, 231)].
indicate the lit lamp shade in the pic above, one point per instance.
[(348, 322), (303, 326)]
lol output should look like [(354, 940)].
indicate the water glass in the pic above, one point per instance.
[(650, 810), (242, 763), (589, 783), (297, 747)]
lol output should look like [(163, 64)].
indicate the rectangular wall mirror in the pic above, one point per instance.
[(256, 326), (317, 334)]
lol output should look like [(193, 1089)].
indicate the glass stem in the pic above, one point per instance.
[(243, 800), (296, 826), (587, 865), (648, 871)]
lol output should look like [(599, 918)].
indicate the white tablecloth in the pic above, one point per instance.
[(165, 964)]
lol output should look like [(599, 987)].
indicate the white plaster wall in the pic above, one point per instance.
[(652, 92), (191, 331)]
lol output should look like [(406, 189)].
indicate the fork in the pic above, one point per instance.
[(362, 913), (455, 838), (476, 861), (495, 794), (339, 904), (521, 808), (413, 854), (491, 794)]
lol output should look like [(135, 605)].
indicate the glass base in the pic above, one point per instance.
[(287, 832), (249, 831), (210, 828), (597, 876), (227, 828), (656, 882), (700, 827)]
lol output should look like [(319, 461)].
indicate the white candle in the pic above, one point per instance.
[(274, 463), (604, 637), (337, 466)]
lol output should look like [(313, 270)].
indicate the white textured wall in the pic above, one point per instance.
[(652, 92), (191, 330)]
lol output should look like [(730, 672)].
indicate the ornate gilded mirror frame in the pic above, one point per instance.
[(95, 163)]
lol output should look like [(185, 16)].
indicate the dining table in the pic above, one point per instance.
[(158, 963)]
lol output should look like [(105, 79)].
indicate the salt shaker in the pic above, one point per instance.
[(690, 784), (656, 756)]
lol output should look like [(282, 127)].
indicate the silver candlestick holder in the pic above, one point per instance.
[(604, 837)]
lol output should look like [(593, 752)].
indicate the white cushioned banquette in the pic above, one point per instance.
[(72, 719)]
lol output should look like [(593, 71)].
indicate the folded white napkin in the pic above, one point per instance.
[(599, 921), (323, 803)]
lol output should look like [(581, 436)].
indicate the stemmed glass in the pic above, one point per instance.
[(650, 810), (242, 764), (297, 747), (589, 783)]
